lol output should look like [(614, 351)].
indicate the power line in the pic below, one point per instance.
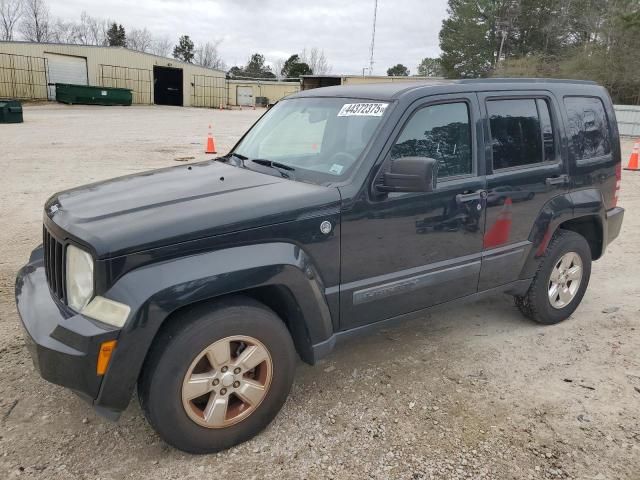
[(373, 37)]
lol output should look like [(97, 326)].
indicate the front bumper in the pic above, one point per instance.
[(64, 345)]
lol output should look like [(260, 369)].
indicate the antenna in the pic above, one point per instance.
[(373, 37)]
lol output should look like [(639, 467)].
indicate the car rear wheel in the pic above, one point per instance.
[(217, 375), (561, 280)]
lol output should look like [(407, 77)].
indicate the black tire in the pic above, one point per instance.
[(535, 304), (160, 383)]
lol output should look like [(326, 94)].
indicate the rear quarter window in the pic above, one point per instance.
[(588, 127)]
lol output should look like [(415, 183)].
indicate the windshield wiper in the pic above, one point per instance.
[(275, 165), (227, 158)]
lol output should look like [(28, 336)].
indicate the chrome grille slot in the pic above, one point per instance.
[(53, 263)]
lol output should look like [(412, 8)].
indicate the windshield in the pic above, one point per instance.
[(321, 138)]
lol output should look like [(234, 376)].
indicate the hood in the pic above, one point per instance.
[(178, 204)]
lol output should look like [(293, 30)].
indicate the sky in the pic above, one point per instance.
[(406, 30)]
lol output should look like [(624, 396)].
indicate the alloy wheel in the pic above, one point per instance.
[(565, 280), (227, 381)]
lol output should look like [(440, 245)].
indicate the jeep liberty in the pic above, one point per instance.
[(342, 209)]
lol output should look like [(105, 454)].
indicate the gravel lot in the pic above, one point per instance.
[(474, 391)]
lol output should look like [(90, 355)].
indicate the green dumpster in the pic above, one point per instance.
[(10, 111), (90, 95)]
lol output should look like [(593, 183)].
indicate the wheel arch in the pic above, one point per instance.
[(277, 297), (580, 211), (590, 227), (279, 275)]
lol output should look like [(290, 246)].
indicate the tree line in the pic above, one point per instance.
[(310, 62), (584, 39), (31, 20)]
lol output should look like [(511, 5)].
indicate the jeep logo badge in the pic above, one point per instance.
[(325, 227)]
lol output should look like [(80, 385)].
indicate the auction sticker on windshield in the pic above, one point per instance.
[(362, 109)]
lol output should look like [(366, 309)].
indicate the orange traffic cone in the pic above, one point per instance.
[(633, 159), (211, 143), (499, 232)]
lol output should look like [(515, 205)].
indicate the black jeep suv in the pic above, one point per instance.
[(342, 208)]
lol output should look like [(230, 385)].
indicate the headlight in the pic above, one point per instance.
[(79, 278)]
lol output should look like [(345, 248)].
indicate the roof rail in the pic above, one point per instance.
[(525, 80)]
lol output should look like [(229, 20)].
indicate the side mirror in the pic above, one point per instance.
[(410, 174)]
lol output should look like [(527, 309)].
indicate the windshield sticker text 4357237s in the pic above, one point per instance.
[(362, 109)]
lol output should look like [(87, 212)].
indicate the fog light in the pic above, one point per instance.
[(104, 356)]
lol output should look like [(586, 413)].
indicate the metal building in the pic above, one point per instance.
[(245, 92), (628, 117), (316, 81), (30, 70)]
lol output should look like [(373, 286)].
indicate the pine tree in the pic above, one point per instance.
[(294, 67), (116, 36), (184, 50)]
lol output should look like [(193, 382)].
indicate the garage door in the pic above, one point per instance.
[(245, 96), (66, 69)]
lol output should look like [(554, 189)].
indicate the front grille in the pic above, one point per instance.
[(53, 263)]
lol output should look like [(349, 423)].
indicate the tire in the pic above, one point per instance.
[(172, 368), (537, 303)]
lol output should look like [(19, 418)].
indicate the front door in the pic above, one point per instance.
[(402, 252)]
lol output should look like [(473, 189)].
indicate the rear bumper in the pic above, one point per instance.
[(63, 344), (614, 223)]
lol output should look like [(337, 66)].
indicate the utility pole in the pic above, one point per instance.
[(373, 37)]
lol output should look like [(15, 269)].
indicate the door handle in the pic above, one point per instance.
[(558, 180), (470, 197)]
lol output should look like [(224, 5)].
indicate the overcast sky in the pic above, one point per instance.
[(406, 31)]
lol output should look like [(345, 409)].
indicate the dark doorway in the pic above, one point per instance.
[(167, 86)]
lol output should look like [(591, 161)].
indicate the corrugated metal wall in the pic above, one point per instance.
[(357, 79), (208, 91), (137, 79), (23, 77), (628, 117), (274, 91)]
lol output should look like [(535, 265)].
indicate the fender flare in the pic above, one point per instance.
[(155, 291), (560, 209)]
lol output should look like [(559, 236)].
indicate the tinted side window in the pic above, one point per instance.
[(588, 127), (516, 134), (441, 132)]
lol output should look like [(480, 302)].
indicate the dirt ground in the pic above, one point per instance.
[(474, 391)]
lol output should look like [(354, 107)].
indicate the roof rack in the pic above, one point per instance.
[(525, 80)]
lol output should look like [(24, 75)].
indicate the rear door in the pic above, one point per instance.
[(525, 170)]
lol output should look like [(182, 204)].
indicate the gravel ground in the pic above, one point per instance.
[(473, 391)]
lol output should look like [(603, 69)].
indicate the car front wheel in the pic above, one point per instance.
[(217, 375)]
